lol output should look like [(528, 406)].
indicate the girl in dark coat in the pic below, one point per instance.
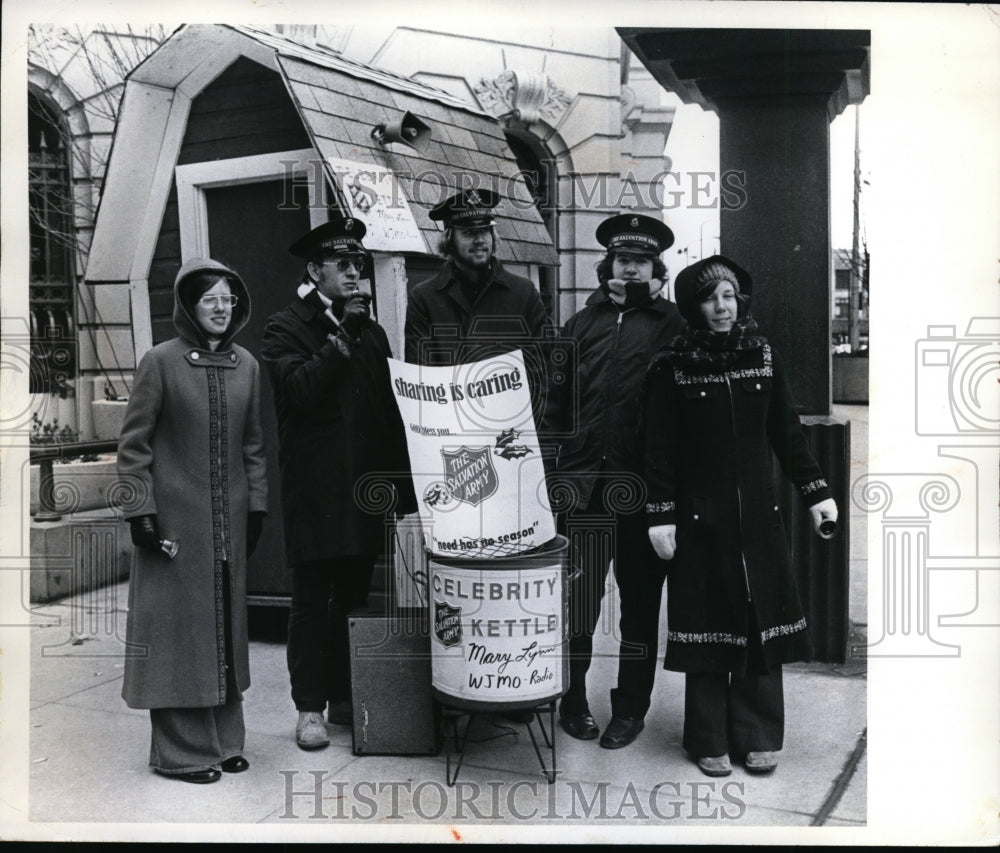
[(191, 453), (716, 404)]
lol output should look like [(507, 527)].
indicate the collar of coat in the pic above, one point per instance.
[(227, 358), (659, 304), (310, 296), (498, 275)]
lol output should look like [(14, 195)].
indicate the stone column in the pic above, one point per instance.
[(775, 92), (781, 233)]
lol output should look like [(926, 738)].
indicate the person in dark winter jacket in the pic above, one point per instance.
[(473, 308), (191, 459), (591, 418), (341, 443), (716, 405)]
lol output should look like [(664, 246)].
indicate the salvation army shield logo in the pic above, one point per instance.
[(470, 474), (447, 623)]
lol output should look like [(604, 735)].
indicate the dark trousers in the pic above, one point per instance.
[(324, 592), (597, 536), (729, 713), (736, 712)]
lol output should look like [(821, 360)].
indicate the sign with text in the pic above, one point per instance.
[(375, 196), (477, 468), (497, 634)]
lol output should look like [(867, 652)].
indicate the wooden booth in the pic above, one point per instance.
[(232, 142)]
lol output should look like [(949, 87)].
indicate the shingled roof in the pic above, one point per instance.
[(341, 100)]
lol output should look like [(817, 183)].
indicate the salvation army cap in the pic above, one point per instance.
[(635, 232), (469, 208), (337, 236)]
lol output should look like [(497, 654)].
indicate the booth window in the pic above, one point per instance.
[(52, 245)]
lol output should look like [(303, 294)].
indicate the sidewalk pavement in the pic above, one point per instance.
[(88, 751)]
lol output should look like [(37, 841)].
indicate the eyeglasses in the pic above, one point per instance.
[(218, 301), (344, 264)]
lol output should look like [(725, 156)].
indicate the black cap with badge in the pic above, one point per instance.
[(634, 232), (338, 236), (469, 209)]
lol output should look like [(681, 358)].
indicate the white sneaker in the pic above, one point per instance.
[(310, 731), (762, 762), (715, 765)]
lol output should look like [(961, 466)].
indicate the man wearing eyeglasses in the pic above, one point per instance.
[(338, 427)]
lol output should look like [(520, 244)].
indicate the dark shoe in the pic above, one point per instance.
[(200, 777), (236, 764), (581, 726), (621, 731), (340, 712), (761, 762), (715, 765)]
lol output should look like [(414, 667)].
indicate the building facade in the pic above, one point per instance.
[(231, 141), (567, 121)]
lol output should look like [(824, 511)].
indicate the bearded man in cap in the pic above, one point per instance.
[(337, 425), (473, 308), (591, 420)]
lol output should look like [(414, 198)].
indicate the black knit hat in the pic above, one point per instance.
[(693, 280)]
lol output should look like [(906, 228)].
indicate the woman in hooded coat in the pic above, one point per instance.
[(716, 404), (191, 455)]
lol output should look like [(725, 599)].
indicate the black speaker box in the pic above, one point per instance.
[(394, 711)]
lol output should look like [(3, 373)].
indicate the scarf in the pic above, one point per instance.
[(632, 294), (308, 293), (702, 351)]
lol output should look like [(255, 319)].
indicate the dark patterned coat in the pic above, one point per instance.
[(191, 452), (709, 439), (341, 439)]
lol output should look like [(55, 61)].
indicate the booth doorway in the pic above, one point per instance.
[(250, 227)]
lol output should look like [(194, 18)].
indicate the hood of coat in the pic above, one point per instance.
[(186, 324), (689, 281)]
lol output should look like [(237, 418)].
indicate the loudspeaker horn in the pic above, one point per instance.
[(409, 130)]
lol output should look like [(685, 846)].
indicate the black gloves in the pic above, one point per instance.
[(145, 533), (255, 525), (355, 316)]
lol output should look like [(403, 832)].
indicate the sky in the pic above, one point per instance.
[(693, 145)]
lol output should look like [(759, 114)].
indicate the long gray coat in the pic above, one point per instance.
[(192, 453)]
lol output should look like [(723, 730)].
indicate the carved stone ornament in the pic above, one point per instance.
[(631, 109), (528, 95)]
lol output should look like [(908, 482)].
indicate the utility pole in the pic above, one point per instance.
[(854, 302)]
